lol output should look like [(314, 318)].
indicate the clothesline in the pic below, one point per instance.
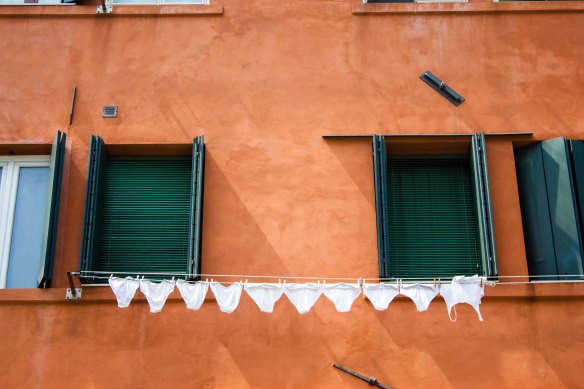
[(102, 275), (303, 296)]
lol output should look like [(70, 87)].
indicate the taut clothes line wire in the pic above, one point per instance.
[(102, 275)]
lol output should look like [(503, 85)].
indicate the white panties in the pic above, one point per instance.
[(156, 293), (421, 294), (380, 295), (264, 295), (193, 294), (303, 296), (342, 295), (227, 296), (124, 289)]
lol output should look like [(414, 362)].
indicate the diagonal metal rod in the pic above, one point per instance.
[(370, 380)]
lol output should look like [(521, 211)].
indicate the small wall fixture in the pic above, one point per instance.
[(109, 111), (439, 86)]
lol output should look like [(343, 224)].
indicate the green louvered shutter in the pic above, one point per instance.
[(52, 216), (196, 204), (433, 229), (380, 172), (480, 180), (95, 176), (144, 225)]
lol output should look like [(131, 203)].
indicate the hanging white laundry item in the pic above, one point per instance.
[(421, 294), (227, 296), (342, 295), (124, 289), (193, 294), (156, 293), (264, 295), (303, 296), (469, 290), (380, 295)]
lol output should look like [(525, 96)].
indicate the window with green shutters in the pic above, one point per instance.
[(433, 213), (143, 213)]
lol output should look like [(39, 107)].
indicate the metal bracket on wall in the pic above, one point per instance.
[(73, 293), (440, 86)]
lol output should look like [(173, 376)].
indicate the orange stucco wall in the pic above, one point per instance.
[(263, 81)]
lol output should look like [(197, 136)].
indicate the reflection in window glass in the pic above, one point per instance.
[(27, 230)]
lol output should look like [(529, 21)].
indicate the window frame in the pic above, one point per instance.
[(9, 183), (98, 155), (480, 182)]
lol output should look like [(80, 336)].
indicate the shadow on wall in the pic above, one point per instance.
[(233, 242), (356, 157)]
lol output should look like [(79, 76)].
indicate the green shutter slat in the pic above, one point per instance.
[(144, 221), (432, 217)]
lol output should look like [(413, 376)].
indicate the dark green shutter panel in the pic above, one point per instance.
[(549, 208), (380, 177), (196, 205), (432, 216), (563, 208), (480, 180), (52, 217), (144, 225), (95, 176), (535, 213), (577, 149)]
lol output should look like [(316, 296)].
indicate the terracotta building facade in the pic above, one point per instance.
[(291, 139)]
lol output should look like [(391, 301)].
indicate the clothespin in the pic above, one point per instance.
[(246, 282), (206, 279), (111, 276), (434, 282), (482, 286), (172, 279)]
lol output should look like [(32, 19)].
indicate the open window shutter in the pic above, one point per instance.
[(95, 173), (196, 205), (562, 206), (535, 213), (52, 215), (480, 178), (380, 176), (577, 148)]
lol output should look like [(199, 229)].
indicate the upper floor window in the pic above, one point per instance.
[(550, 179), (143, 213), (159, 2), (433, 210), (29, 199)]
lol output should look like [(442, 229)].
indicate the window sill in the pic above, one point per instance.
[(93, 294), (125, 10), (447, 8)]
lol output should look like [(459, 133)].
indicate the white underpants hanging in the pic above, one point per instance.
[(156, 293), (227, 296), (421, 294), (469, 290), (193, 294), (303, 296), (264, 295), (124, 289), (380, 295), (342, 295)]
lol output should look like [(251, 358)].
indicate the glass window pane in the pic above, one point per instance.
[(27, 230)]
